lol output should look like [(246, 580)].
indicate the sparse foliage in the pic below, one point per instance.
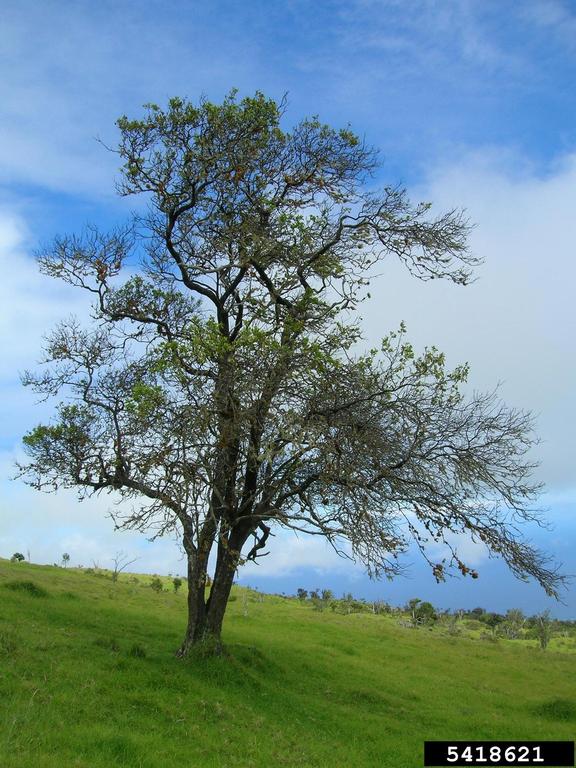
[(513, 623), (65, 559), (219, 392), (380, 607), (543, 629), (176, 583), (493, 620), (452, 625), (120, 562), (156, 584)]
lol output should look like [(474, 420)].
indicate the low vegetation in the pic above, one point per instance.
[(354, 684)]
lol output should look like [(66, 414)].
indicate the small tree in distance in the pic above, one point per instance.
[(17, 557), (543, 629), (65, 559), (120, 563), (218, 391)]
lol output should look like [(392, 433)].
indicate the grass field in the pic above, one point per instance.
[(88, 679)]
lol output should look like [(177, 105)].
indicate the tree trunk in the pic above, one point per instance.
[(205, 618), (196, 604), (197, 576), (226, 565)]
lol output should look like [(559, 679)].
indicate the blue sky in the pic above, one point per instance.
[(471, 104)]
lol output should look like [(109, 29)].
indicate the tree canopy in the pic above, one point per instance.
[(220, 389)]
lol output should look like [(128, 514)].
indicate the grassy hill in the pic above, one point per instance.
[(88, 679)]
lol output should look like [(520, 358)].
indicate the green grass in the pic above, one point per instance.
[(88, 679)]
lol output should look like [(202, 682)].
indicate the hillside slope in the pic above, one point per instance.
[(88, 679)]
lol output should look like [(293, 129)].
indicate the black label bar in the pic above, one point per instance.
[(530, 754)]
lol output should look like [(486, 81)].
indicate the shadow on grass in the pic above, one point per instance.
[(557, 709), (26, 587)]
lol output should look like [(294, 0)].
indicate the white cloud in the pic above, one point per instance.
[(431, 33), (553, 15), (516, 324), (47, 525), (72, 69), (31, 303), (472, 553), (31, 306), (290, 553)]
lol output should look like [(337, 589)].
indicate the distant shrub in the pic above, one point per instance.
[(137, 651), (348, 604), (473, 624), (492, 620), (512, 625), (17, 557), (301, 594), (420, 612), (542, 629), (451, 623), (156, 584), (425, 613), (232, 598), (176, 583), (317, 603), (28, 587)]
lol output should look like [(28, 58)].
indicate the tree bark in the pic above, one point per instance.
[(196, 605), (197, 577), (205, 617), (226, 564)]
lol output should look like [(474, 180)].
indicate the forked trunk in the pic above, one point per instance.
[(205, 617)]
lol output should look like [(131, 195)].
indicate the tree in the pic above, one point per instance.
[(176, 583), (426, 613), (420, 612), (543, 629), (65, 559), (493, 620), (219, 391), (17, 557), (513, 623), (120, 562)]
